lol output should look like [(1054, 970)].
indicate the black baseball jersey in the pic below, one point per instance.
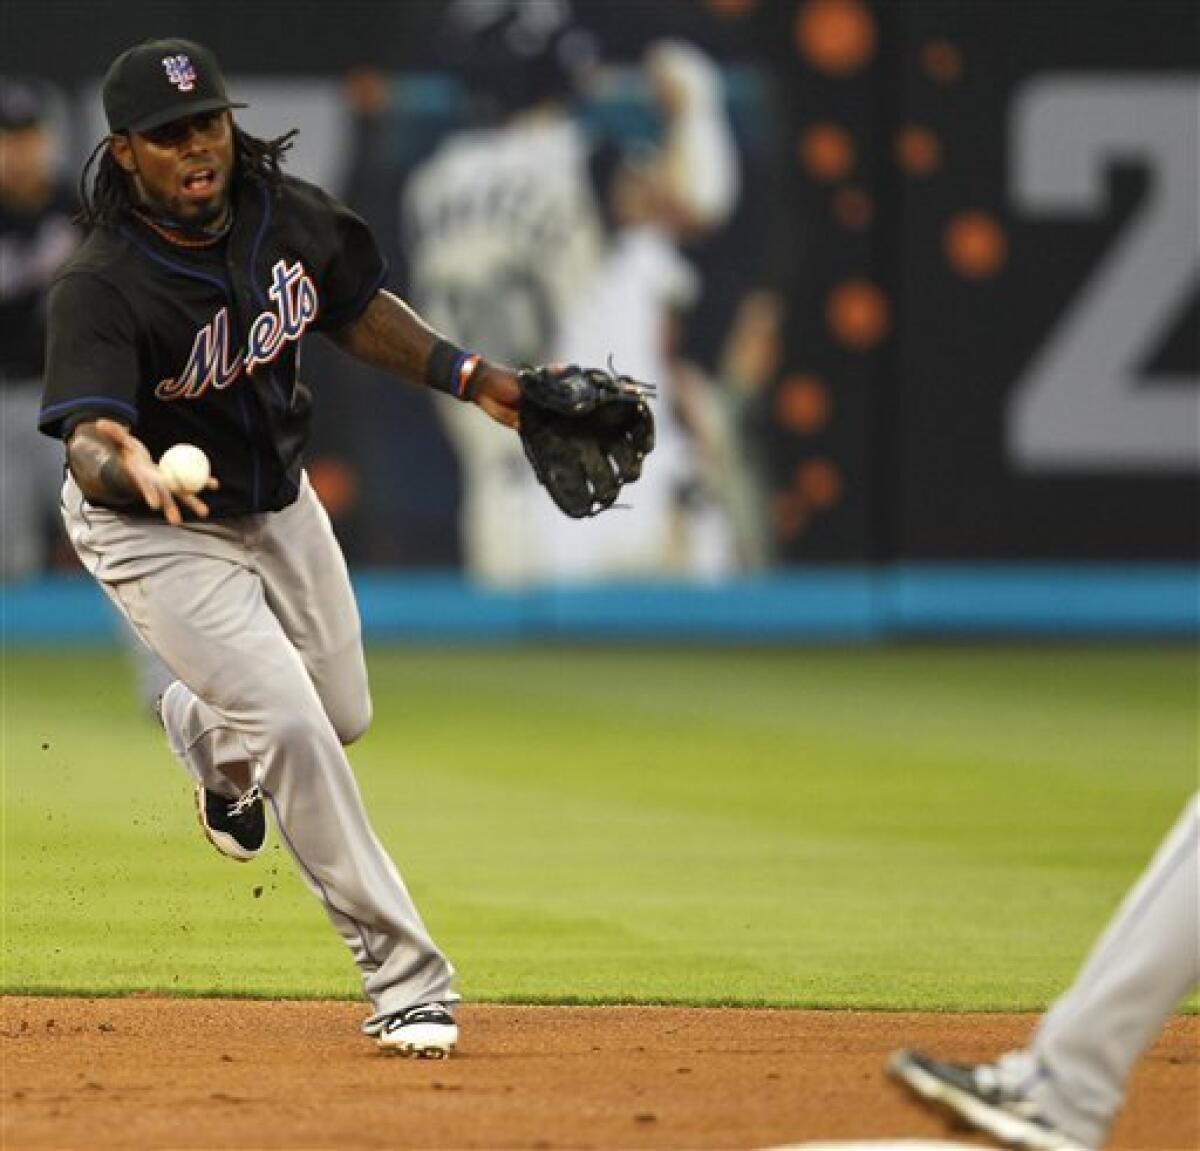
[(201, 345)]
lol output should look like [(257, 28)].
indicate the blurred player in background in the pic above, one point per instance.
[(36, 236), (1063, 1091), (721, 412), (529, 241)]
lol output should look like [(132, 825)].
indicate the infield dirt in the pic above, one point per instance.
[(189, 1073)]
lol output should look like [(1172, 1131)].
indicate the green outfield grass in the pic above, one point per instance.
[(891, 828)]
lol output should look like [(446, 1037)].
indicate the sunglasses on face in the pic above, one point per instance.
[(177, 131)]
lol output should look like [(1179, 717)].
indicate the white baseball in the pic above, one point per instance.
[(185, 468)]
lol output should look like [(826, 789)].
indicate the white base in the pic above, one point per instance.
[(879, 1145)]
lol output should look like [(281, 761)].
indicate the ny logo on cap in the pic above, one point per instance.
[(180, 72)]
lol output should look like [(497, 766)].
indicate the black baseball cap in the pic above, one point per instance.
[(158, 81)]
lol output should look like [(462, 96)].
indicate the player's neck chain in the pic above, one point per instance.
[(179, 241)]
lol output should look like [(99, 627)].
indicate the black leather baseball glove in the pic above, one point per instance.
[(586, 432)]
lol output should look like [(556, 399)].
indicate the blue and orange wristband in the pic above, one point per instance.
[(450, 370)]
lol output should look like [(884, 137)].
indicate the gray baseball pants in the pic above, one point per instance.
[(257, 619), (1140, 970)]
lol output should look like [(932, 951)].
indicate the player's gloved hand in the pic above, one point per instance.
[(586, 432)]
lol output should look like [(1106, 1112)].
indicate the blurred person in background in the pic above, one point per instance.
[(528, 240), (722, 413), (36, 236)]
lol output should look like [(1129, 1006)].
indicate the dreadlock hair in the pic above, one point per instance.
[(106, 192)]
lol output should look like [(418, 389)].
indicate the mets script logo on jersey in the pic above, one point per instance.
[(214, 364), (180, 72)]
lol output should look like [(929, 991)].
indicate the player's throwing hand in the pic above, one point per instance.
[(123, 464)]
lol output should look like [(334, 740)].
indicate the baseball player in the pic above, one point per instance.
[(1063, 1091), (179, 321)]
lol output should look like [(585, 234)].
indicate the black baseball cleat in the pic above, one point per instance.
[(427, 1031), (235, 827), (978, 1094)]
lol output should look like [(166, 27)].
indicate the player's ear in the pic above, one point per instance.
[(122, 151)]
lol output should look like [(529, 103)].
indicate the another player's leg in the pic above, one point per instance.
[(1063, 1092), (1140, 970), (992, 1097)]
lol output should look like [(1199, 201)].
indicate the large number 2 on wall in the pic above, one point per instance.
[(1080, 405)]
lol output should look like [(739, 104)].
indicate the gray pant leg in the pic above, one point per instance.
[(307, 587), (201, 740), (200, 596), (151, 675), (1140, 970), (297, 557), (204, 743)]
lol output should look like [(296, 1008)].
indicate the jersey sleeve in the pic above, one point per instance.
[(91, 355), (353, 269)]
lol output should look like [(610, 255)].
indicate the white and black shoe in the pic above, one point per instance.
[(235, 827), (427, 1031), (982, 1096)]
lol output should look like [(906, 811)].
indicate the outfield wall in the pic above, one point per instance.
[(950, 319), (843, 605)]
